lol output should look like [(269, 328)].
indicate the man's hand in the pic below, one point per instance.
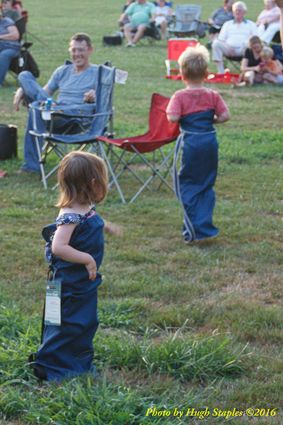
[(89, 96), (91, 268), (18, 98), (279, 3)]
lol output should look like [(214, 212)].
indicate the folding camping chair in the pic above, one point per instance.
[(234, 61), (83, 130), (187, 21), (124, 153), (176, 46), (24, 61)]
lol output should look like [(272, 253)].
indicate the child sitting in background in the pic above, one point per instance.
[(271, 68), (197, 108)]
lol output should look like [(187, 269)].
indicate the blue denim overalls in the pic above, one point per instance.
[(67, 350), (197, 175)]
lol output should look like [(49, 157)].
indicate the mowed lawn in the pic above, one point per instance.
[(181, 327)]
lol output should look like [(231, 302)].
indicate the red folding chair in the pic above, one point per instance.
[(125, 154), (176, 46)]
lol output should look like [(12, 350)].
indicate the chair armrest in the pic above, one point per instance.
[(64, 114)]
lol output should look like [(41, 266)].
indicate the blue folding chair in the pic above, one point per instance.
[(82, 131)]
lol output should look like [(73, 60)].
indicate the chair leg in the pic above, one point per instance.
[(104, 156), (41, 166)]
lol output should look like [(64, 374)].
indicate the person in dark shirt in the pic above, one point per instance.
[(251, 63), (219, 17)]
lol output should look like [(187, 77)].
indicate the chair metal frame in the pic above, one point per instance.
[(123, 153)]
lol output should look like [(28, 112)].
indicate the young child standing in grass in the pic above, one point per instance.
[(74, 250), (196, 108)]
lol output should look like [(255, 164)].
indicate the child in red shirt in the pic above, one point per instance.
[(196, 108)]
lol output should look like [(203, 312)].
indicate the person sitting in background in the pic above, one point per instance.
[(161, 16), (268, 21), (9, 45), (271, 68), (124, 19), (18, 6), (250, 66), (140, 15), (218, 19), (232, 39), (76, 84), (280, 5), (8, 10)]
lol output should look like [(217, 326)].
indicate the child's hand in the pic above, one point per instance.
[(91, 268), (114, 229)]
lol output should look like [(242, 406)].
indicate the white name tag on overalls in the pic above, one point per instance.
[(52, 314)]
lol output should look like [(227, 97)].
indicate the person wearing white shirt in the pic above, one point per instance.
[(268, 21), (233, 37), (161, 16), (280, 5)]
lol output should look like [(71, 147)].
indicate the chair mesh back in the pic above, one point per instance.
[(187, 17)]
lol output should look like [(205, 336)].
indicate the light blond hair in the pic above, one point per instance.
[(194, 63), (82, 178), (266, 53)]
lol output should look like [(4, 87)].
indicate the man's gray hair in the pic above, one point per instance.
[(240, 4)]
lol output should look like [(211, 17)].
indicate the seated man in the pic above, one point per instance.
[(268, 21), (140, 14), (9, 45), (76, 84), (233, 37)]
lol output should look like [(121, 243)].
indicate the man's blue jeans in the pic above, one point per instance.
[(6, 56), (33, 92)]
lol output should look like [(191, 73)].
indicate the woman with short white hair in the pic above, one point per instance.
[(268, 21)]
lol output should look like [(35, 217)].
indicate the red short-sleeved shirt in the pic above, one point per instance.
[(189, 101)]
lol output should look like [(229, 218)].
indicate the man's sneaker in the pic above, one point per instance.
[(130, 44)]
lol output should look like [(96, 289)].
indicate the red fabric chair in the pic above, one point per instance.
[(176, 46), (160, 133)]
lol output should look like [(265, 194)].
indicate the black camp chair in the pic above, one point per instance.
[(24, 61)]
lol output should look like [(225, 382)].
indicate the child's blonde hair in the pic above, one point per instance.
[(82, 178), (266, 53), (194, 63)]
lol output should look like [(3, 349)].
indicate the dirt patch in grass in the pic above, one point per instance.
[(247, 286)]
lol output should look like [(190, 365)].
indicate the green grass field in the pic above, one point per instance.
[(181, 327)]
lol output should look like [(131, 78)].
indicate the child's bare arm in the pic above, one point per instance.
[(222, 118), (61, 248), (113, 228), (173, 118)]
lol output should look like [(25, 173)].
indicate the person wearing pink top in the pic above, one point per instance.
[(268, 21), (197, 109), (280, 5)]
